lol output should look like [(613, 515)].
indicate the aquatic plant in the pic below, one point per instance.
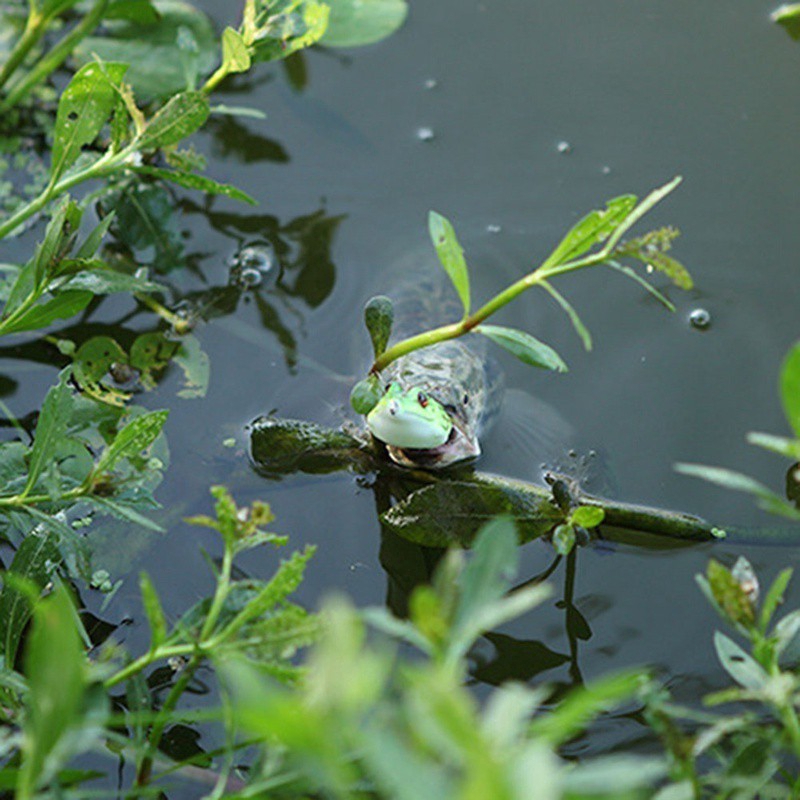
[(61, 703), (789, 447), (596, 240)]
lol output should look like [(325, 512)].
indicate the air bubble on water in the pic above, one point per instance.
[(425, 134), (649, 269), (606, 170), (493, 228), (564, 147), (431, 83), (700, 318), (252, 264)]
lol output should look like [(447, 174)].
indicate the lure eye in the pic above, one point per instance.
[(422, 399)]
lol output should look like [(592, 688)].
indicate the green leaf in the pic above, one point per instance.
[(524, 346), (135, 437), (633, 275), (564, 539), (125, 511), (379, 317), (50, 429), (35, 561), (235, 53), (353, 23), (649, 202), (180, 117), (788, 17), (151, 47), (576, 321), (790, 387), (730, 596), (155, 614), (109, 281), (450, 255), (739, 665), (51, 8), (729, 479), (365, 394), (614, 776), (583, 704), (282, 584), (191, 180), (587, 516), (289, 30), (57, 680), (57, 240), (593, 228), (790, 448), (774, 597), (85, 106), (93, 241), (63, 306), (142, 12)]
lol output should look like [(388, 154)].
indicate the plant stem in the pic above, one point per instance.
[(137, 665), (471, 321), (56, 56), (34, 29), (105, 165), (157, 731)]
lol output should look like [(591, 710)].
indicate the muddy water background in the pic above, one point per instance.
[(640, 91)]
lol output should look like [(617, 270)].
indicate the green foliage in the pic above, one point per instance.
[(451, 255), (525, 347), (788, 447), (788, 17), (353, 23), (153, 41), (368, 720), (378, 317), (752, 750), (594, 240), (84, 456)]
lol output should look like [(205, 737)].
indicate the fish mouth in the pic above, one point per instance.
[(460, 446)]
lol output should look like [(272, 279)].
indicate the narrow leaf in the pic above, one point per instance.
[(729, 479), (593, 228), (63, 306), (57, 679), (774, 597), (790, 388), (136, 436), (580, 328), (34, 563), (181, 116), (790, 448), (85, 106), (155, 614), (283, 583), (655, 197), (450, 255), (93, 241), (635, 276), (191, 180), (524, 346), (50, 429)]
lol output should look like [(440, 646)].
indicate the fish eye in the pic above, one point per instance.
[(422, 399), (466, 399)]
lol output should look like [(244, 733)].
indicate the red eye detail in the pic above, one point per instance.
[(422, 399)]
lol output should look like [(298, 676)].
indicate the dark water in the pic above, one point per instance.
[(640, 91)]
